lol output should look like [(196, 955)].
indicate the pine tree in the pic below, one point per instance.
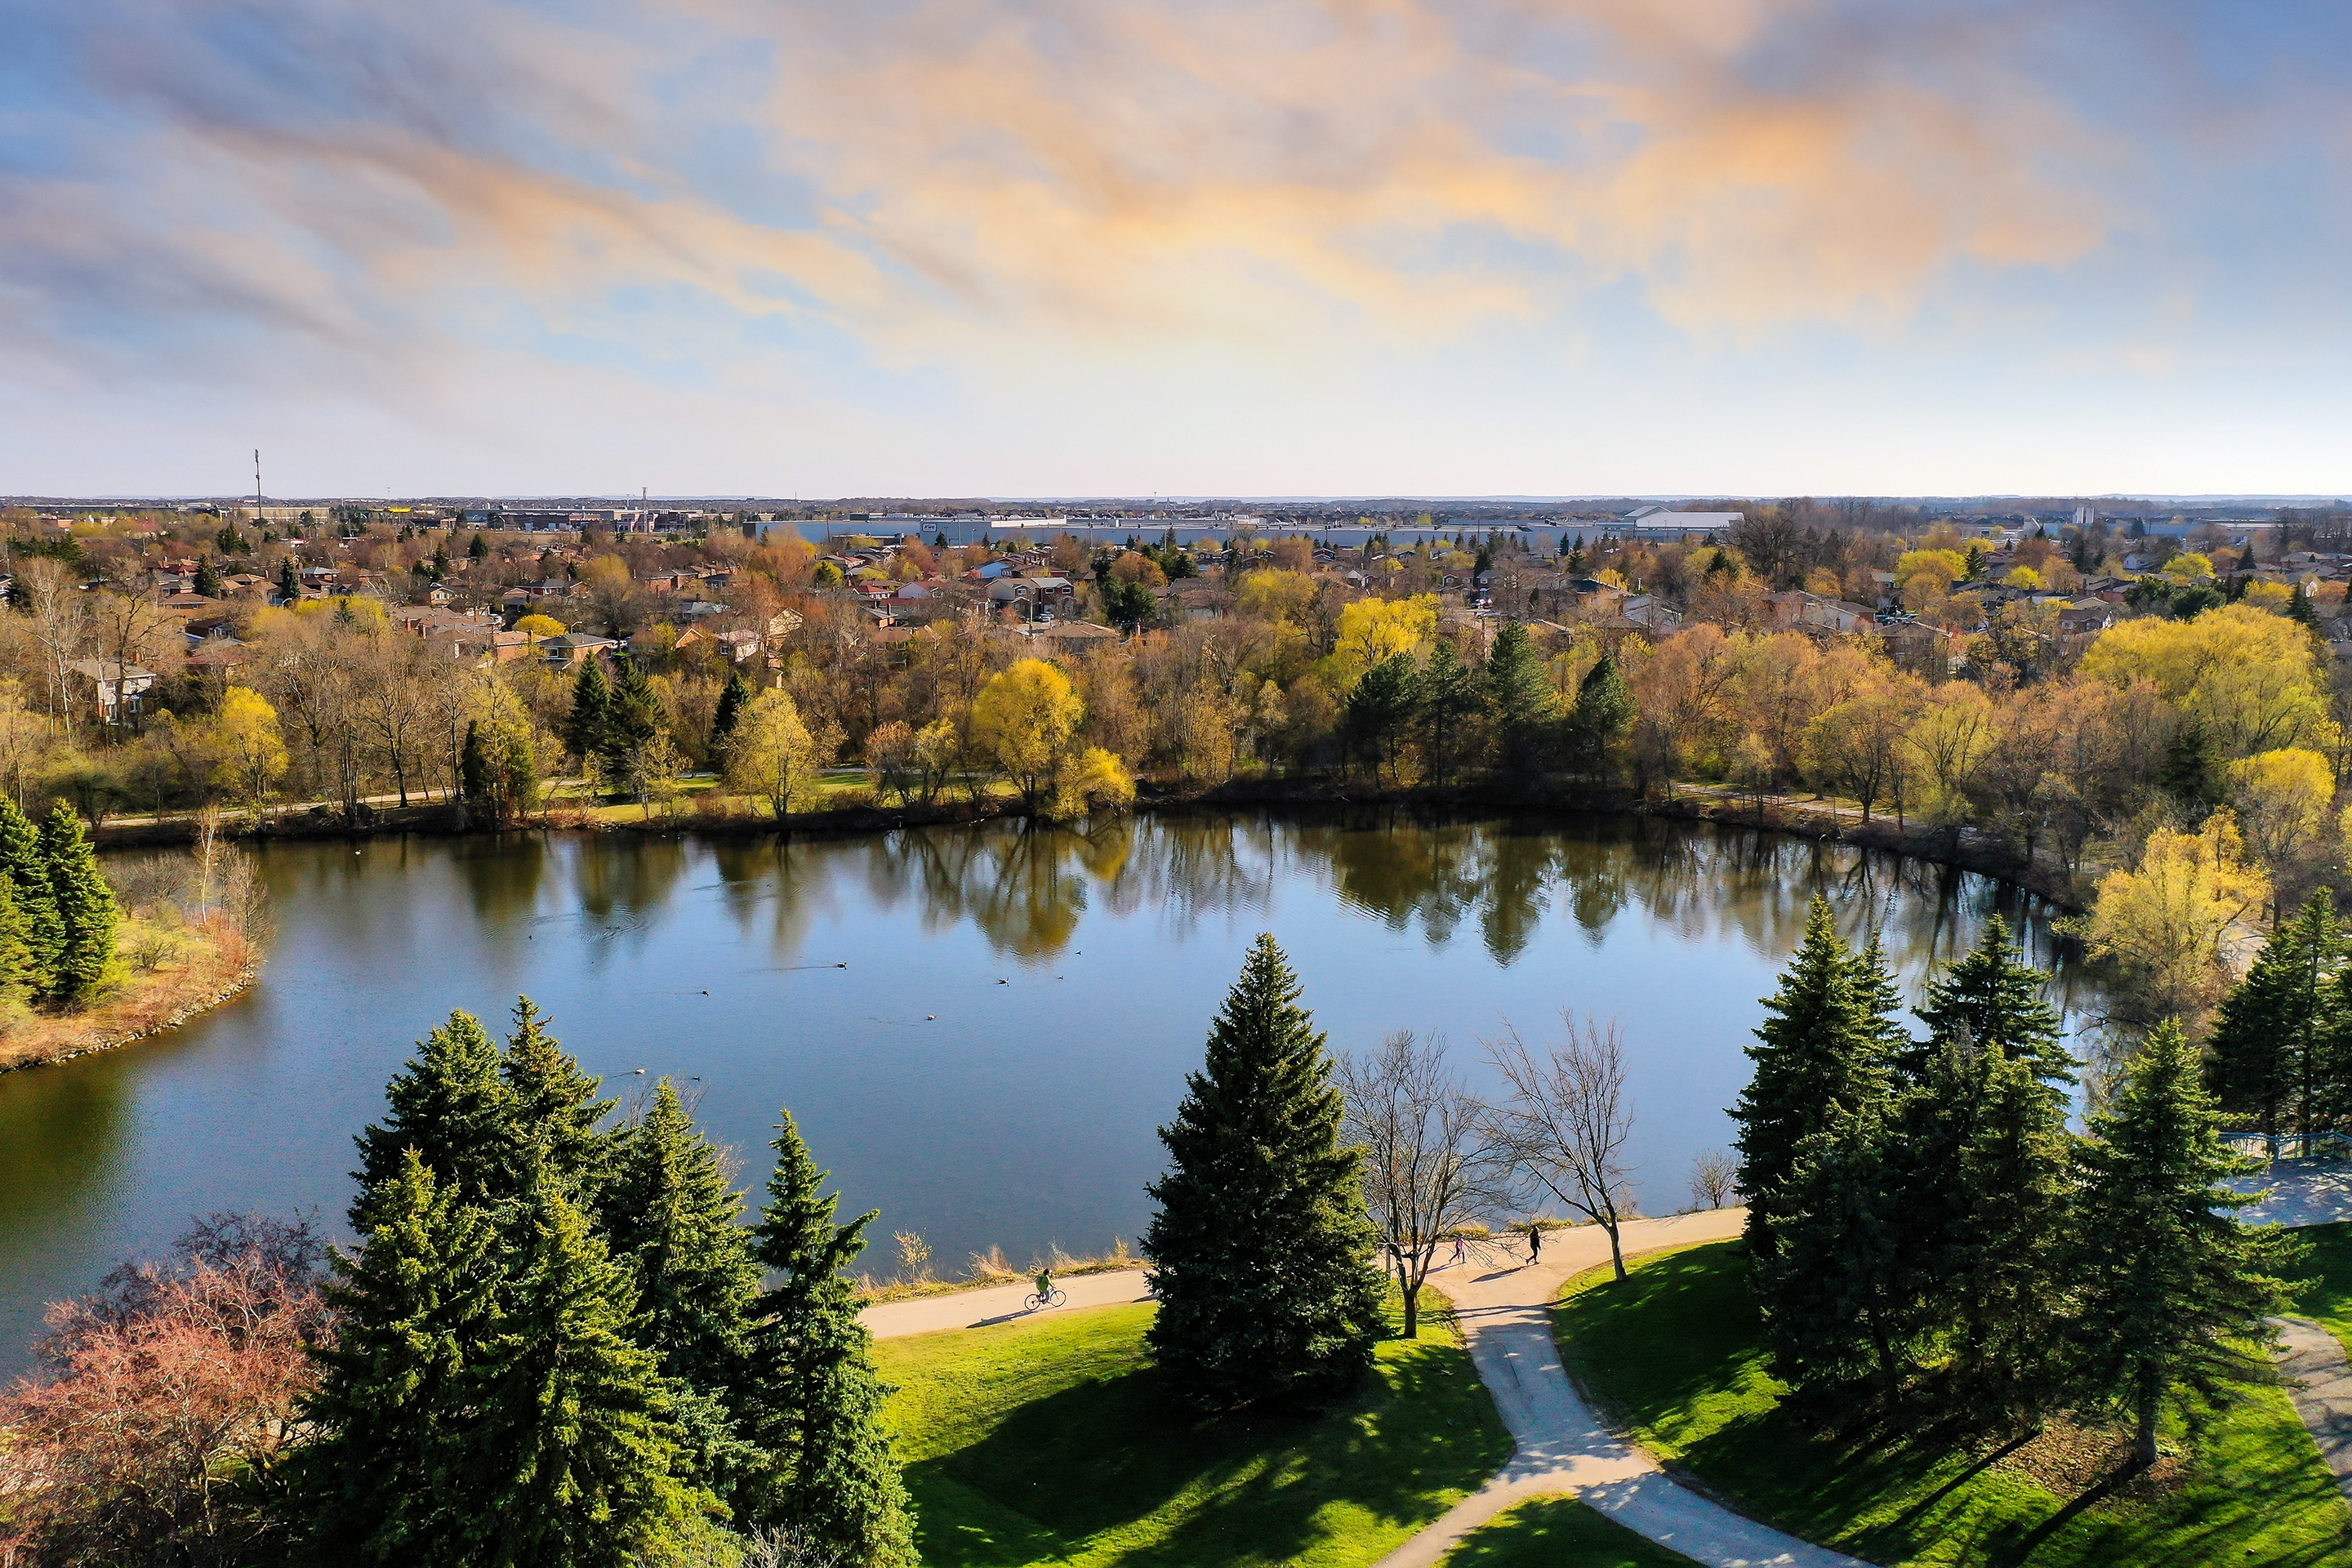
[(27, 871), (289, 586), (19, 976), (1381, 713), (1603, 712), (586, 725), (552, 1110), (1836, 1291), (576, 1457), (1821, 1053), (814, 1398), (2272, 1053), (2174, 1292), (1519, 696), (1452, 701), (634, 717), (2002, 1267), (477, 548), (1993, 998), (385, 1474), (673, 1222), (1261, 1251), (733, 697), (449, 1105), (87, 915)]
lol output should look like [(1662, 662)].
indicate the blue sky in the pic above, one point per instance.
[(1091, 246)]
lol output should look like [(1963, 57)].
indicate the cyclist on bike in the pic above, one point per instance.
[(1044, 1287)]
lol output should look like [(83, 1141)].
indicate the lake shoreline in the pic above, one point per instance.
[(1816, 821), (141, 1008)]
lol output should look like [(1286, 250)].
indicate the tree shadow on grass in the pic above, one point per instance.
[(1114, 1458)]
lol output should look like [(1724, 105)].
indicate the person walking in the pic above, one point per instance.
[(1535, 1243), (1461, 1252)]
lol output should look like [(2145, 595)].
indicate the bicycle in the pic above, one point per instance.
[(1056, 1297)]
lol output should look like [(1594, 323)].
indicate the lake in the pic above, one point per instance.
[(978, 1028)]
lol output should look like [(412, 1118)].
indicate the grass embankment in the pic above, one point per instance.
[(2328, 1300), (1559, 1532), (1674, 1353), (1049, 1442)]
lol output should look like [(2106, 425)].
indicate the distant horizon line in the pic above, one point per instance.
[(1393, 500)]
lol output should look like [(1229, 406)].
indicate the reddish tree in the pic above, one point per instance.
[(161, 1400)]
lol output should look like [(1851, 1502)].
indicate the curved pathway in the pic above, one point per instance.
[(2320, 1380), (1505, 1308), (999, 1304)]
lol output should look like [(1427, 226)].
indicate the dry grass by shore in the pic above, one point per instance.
[(916, 1280), (214, 962)]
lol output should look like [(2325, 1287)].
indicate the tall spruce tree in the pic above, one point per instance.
[(1821, 1052), (1602, 714), (585, 726), (1837, 1292), (1519, 696), (28, 870), (20, 977), (634, 716), (2273, 1054), (386, 1475), (1452, 701), (733, 697), (87, 916), (814, 1398), (1992, 997), (552, 1110), (448, 1104), (576, 1460), (2173, 1291), (1261, 1251)]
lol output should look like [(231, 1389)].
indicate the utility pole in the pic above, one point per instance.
[(256, 487)]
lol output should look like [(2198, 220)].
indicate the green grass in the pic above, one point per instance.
[(1673, 1352), (1049, 1442), (1558, 1532), (2328, 1299)]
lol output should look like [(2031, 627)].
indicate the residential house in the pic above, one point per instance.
[(119, 691)]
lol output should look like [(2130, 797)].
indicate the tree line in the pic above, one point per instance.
[(1929, 1240)]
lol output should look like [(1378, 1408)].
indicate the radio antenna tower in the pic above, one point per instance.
[(256, 487)]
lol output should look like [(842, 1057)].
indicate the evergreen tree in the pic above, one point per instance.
[(585, 727), (1262, 1253), (208, 578), (1380, 715), (1603, 712), (289, 586), (552, 1110), (475, 784), (449, 1105), (1993, 998), (2273, 1053), (19, 976), (1836, 1293), (1519, 696), (673, 1221), (576, 1461), (27, 872), (733, 697), (87, 916), (1820, 1053), (814, 1398), (2174, 1292), (1452, 701), (385, 1474), (477, 548), (634, 716)]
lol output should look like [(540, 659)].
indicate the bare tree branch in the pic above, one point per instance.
[(1564, 1125)]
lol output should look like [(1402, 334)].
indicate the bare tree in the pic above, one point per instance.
[(53, 598), (1430, 1167), (1713, 1180), (1563, 1127)]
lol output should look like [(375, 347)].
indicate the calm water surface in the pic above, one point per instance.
[(977, 1028)]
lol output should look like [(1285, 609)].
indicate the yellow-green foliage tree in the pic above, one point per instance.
[(249, 754), (1373, 631), (2282, 799), (2183, 923), (540, 625), (1024, 719), (2243, 676), (772, 755)]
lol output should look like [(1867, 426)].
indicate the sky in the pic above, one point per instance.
[(1067, 248)]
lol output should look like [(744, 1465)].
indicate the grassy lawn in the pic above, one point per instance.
[(1673, 1352), (1048, 1442), (1559, 1532), (2329, 1299)]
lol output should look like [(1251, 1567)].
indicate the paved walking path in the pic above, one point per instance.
[(2303, 1191), (1503, 1306), (998, 1304), (2322, 1388)]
